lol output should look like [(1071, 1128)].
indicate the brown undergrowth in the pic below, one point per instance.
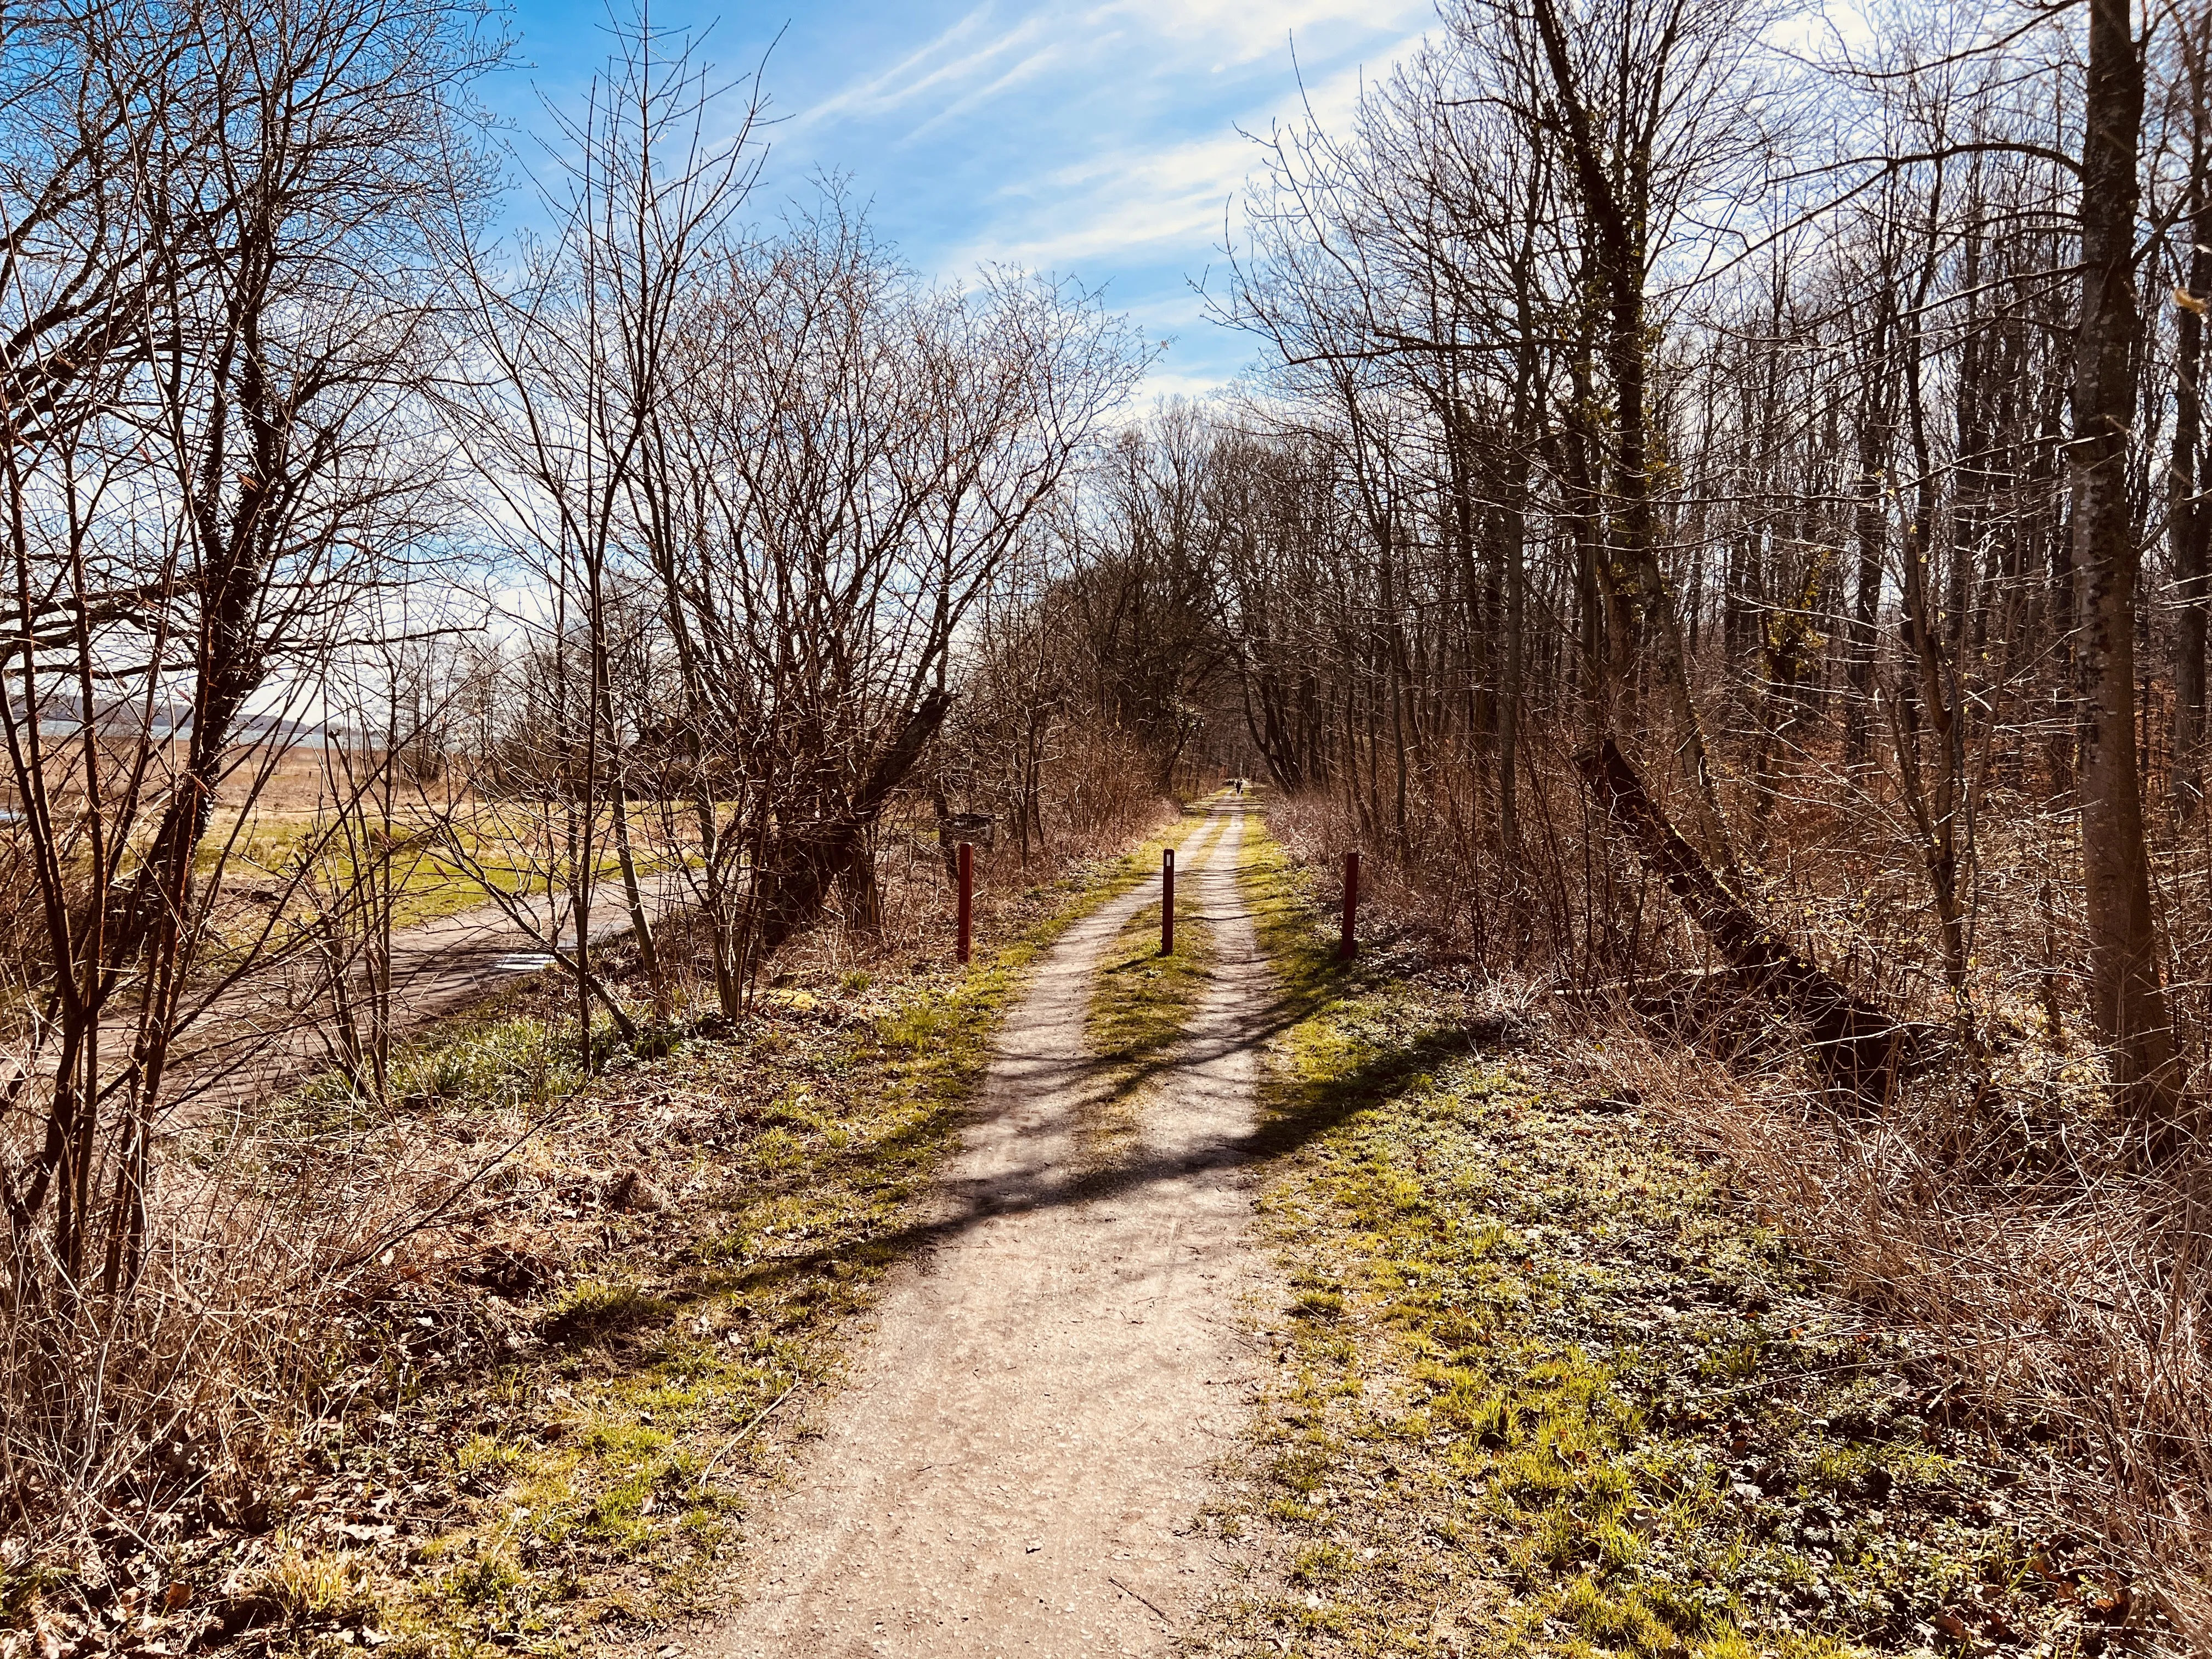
[(1548, 1386), (1990, 1212), (530, 1396), (2005, 1229)]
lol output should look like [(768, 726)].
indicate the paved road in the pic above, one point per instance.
[(1018, 1464)]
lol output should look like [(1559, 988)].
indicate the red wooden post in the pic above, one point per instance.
[(1349, 944), (1167, 900), (967, 899)]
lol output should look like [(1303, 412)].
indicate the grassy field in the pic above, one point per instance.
[(435, 869), (1543, 1388)]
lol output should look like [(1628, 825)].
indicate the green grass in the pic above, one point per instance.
[(308, 855), (1541, 1389)]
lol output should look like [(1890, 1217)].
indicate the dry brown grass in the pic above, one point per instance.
[(127, 1419), (1992, 1213), (2068, 1293)]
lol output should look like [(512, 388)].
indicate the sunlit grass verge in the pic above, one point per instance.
[(1539, 1388), (1143, 1000), (555, 1438)]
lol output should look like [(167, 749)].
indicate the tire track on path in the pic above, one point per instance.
[(1018, 1464)]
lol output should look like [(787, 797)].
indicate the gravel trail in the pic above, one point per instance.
[(1018, 1462)]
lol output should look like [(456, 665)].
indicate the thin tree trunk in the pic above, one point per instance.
[(1514, 555), (2190, 524), (2126, 996), (641, 924)]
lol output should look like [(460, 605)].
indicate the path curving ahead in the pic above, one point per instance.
[(1018, 1462)]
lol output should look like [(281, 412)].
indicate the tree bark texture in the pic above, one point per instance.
[(2126, 997), (1860, 1045), (804, 862)]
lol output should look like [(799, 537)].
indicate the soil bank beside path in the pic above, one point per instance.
[(1019, 1463)]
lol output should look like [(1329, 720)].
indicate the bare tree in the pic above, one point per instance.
[(567, 424), (860, 455), (219, 264)]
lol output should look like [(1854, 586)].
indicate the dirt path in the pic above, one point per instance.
[(1018, 1465), (253, 1042)]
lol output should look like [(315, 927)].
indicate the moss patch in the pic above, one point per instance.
[(1541, 1387)]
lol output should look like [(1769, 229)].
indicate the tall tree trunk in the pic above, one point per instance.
[(1618, 215), (2125, 995), (1513, 554), (1859, 1043), (799, 866), (2189, 526), (1869, 530)]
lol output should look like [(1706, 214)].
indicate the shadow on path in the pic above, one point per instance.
[(1319, 1109)]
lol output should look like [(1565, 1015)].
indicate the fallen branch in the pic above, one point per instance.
[(738, 1439), (1140, 1596)]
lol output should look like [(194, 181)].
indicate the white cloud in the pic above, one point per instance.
[(1163, 383), (1126, 201), (1027, 70), (1152, 34), (1135, 200), (942, 64), (1100, 137), (1238, 31)]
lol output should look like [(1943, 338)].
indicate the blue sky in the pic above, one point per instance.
[(1096, 141)]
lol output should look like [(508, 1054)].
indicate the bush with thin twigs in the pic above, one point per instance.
[(133, 1416)]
